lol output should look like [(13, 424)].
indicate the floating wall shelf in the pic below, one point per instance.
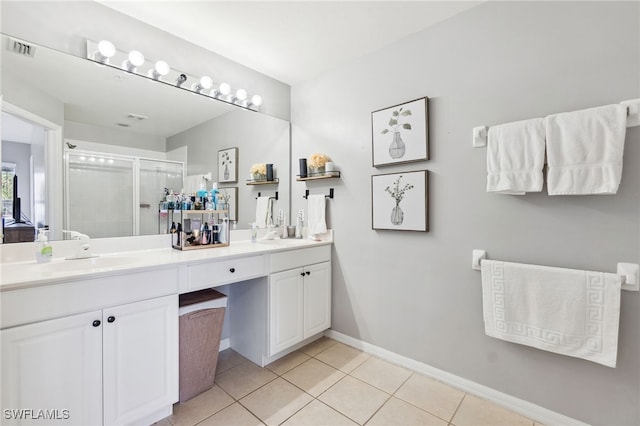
[(317, 176), (263, 182)]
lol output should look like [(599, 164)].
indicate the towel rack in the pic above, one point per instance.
[(275, 197), (306, 193), (480, 133), (630, 272)]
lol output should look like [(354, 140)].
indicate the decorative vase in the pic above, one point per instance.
[(226, 172), (258, 176), (317, 171), (397, 215), (397, 147)]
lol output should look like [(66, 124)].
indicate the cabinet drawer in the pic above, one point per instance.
[(213, 274), (302, 257)]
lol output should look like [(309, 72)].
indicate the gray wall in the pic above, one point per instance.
[(65, 25), (259, 139), (415, 293)]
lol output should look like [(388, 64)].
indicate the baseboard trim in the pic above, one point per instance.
[(226, 344), (528, 409)]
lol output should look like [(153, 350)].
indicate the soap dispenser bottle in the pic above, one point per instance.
[(299, 223), (44, 251)]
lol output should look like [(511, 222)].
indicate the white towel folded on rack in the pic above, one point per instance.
[(515, 157), (566, 311), (263, 211), (316, 214), (584, 150)]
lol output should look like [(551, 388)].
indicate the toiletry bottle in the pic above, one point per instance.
[(44, 251), (299, 223), (214, 195), (254, 232)]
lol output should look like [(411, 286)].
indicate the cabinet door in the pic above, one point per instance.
[(317, 298), (140, 359), (52, 372), (285, 309)]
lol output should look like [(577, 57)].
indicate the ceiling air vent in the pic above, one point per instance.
[(21, 48)]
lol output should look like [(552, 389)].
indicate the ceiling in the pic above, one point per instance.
[(291, 41)]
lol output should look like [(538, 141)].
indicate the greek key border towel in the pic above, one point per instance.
[(566, 311)]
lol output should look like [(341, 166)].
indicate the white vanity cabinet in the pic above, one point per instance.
[(114, 365), (299, 297)]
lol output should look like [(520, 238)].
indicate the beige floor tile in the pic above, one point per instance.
[(397, 412), (233, 415), (200, 407), (479, 412), (228, 359), (313, 376), (276, 401), (430, 395), (163, 422), (314, 348), (243, 379), (288, 362), (355, 399), (343, 357), (318, 414), (381, 374)]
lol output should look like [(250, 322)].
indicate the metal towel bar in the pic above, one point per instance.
[(630, 272)]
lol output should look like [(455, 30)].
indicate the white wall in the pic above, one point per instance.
[(414, 293), (118, 138), (65, 26)]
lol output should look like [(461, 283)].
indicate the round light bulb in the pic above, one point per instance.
[(162, 68), (106, 48), (206, 82), (241, 94), (136, 58), (224, 88), (256, 100)]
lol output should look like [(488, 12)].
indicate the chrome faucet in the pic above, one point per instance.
[(83, 249)]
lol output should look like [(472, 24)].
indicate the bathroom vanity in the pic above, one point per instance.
[(95, 341)]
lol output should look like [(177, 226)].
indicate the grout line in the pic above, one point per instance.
[(458, 407)]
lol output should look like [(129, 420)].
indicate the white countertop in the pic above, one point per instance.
[(24, 274)]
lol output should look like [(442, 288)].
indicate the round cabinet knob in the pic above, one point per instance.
[(232, 270), (308, 273), (302, 274), (111, 319), (96, 323)]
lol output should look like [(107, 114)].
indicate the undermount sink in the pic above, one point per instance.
[(86, 264), (285, 242)]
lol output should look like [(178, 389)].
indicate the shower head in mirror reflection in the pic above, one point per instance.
[(105, 53)]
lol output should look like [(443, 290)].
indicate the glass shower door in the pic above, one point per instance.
[(155, 176), (100, 194)]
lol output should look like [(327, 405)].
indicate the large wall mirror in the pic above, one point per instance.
[(94, 146)]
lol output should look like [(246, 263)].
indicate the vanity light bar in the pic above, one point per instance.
[(134, 62)]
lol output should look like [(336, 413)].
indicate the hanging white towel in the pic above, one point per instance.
[(566, 311), (316, 214), (263, 211), (515, 157), (584, 150)]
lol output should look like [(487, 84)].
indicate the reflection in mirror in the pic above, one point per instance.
[(86, 108)]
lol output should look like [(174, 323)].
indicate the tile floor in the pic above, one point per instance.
[(328, 383)]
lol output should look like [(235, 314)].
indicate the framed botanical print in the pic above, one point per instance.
[(400, 134), (228, 199), (228, 165), (399, 201)]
